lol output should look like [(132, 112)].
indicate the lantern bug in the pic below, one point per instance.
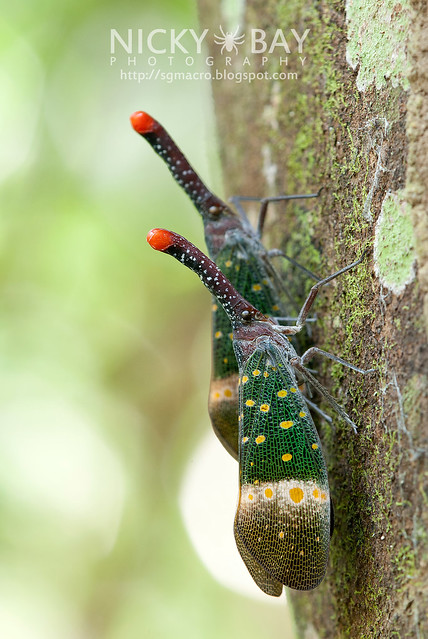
[(237, 249), (283, 521)]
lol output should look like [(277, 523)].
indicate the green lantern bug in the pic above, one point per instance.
[(283, 521), (237, 250)]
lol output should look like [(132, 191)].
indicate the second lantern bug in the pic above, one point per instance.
[(237, 249), (283, 521)]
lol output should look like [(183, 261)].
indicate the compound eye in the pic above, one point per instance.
[(246, 316)]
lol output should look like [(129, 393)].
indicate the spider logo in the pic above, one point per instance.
[(229, 40)]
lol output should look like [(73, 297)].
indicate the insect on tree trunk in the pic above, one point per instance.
[(349, 115)]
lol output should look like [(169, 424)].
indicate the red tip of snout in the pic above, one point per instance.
[(160, 239), (142, 122)]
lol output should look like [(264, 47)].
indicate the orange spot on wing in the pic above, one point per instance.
[(296, 495)]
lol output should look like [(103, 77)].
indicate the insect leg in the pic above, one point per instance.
[(278, 253), (314, 291), (296, 363), (264, 203), (317, 351), (293, 319), (236, 200), (318, 410)]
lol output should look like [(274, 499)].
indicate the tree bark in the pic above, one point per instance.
[(354, 122)]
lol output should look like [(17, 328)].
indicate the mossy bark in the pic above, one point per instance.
[(361, 134)]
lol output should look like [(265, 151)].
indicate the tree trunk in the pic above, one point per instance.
[(354, 122)]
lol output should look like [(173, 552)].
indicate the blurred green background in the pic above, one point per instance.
[(104, 347)]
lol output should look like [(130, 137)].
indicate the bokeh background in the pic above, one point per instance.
[(116, 500)]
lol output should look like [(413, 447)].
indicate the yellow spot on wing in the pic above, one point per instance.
[(286, 424), (293, 390), (281, 534), (250, 402), (296, 495), (287, 457), (228, 264), (225, 360), (256, 372), (257, 287), (264, 408), (250, 496), (266, 374), (268, 493), (218, 334), (260, 439), (214, 307), (228, 392), (282, 393), (302, 414), (314, 446), (244, 440), (244, 379), (275, 307), (316, 493)]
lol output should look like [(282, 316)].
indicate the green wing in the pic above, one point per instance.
[(283, 515)]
